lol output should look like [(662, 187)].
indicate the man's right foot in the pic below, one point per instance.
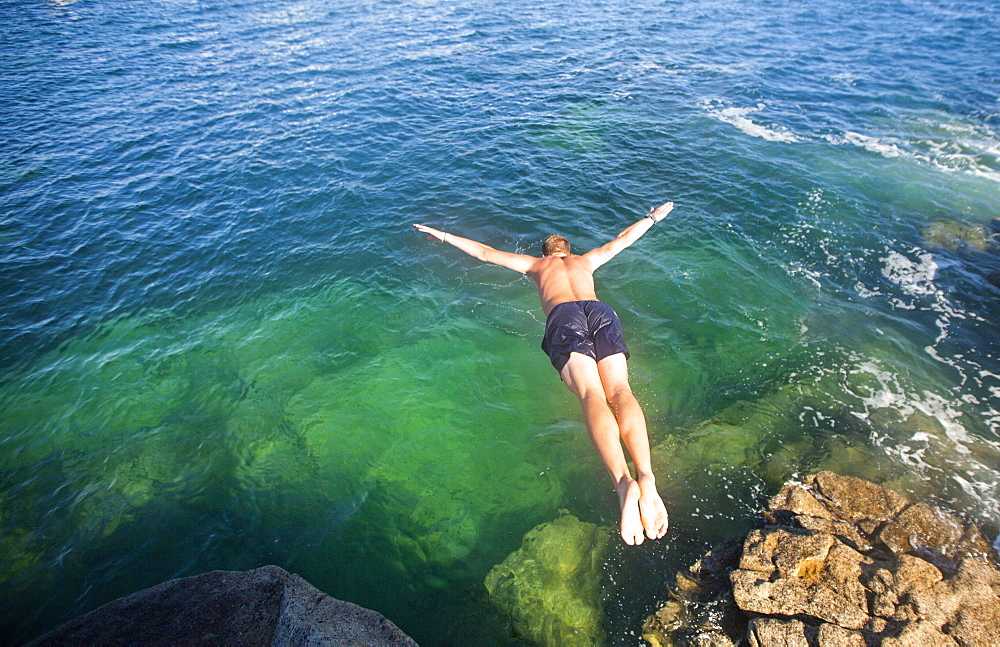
[(629, 496)]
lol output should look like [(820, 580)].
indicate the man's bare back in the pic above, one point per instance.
[(562, 278)]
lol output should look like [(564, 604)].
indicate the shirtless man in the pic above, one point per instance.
[(583, 338)]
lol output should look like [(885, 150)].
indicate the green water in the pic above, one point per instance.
[(320, 433), (351, 433), (404, 438)]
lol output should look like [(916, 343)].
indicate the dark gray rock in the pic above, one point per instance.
[(265, 606)]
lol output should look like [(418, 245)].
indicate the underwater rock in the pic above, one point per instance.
[(840, 561), (955, 234), (265, 606), (552, 587)]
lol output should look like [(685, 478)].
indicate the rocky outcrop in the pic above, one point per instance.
[(841, 561), (265, 606), (552, 587)]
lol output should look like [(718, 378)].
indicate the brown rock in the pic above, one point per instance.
[(847, 562), (791, 574), (868, 527), (687, 586), (797, 499), (977, 618), (791, 554), (712, 638), (846, 532), (974, 572), (964, 608), (793, 598), (882, 584), (875, 626), (936, 535), (668, 618), (935, 605), (842, 572), (976, 623), (891, 583), (920, 634), (921, 527), (853, 499), (834, 636), (716, 563), (913, 573), (771, 632), (975, 545)]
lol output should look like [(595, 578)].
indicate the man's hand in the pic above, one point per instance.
[(601, 255), (661, 211), (435, 234)]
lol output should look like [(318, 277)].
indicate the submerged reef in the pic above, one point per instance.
[(551, 588), (955, 234), (840, 561)]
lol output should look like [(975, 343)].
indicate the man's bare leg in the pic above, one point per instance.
[(632, 425), (583, 378)]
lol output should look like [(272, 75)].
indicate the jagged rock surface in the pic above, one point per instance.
[(841, 561), (265, 606)]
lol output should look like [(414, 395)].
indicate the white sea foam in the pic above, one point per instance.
[(916, 278), (864, 292), (642, 67), (914, 272), (844, 77), (926, 432), (730, 69), (942, 158), (883, 147), (798, 269), (947, 146), (738, 117)]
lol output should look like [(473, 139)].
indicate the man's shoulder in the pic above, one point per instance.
[(580, 263), (540, 262)]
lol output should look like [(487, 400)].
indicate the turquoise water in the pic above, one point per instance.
[(224, 346)]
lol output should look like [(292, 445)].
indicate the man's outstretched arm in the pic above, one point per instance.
[(601, 255), (517, 262)]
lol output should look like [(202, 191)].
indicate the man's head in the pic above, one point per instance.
[(555, 244)]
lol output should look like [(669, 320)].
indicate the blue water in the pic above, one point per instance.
[(222, 345)]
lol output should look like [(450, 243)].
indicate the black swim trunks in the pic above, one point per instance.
[(588, 327)]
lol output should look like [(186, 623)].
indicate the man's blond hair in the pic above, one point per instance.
[(555, 244)]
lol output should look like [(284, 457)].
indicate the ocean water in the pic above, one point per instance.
[(222, 344)]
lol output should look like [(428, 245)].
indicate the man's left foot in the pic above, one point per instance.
[(651, 509)]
